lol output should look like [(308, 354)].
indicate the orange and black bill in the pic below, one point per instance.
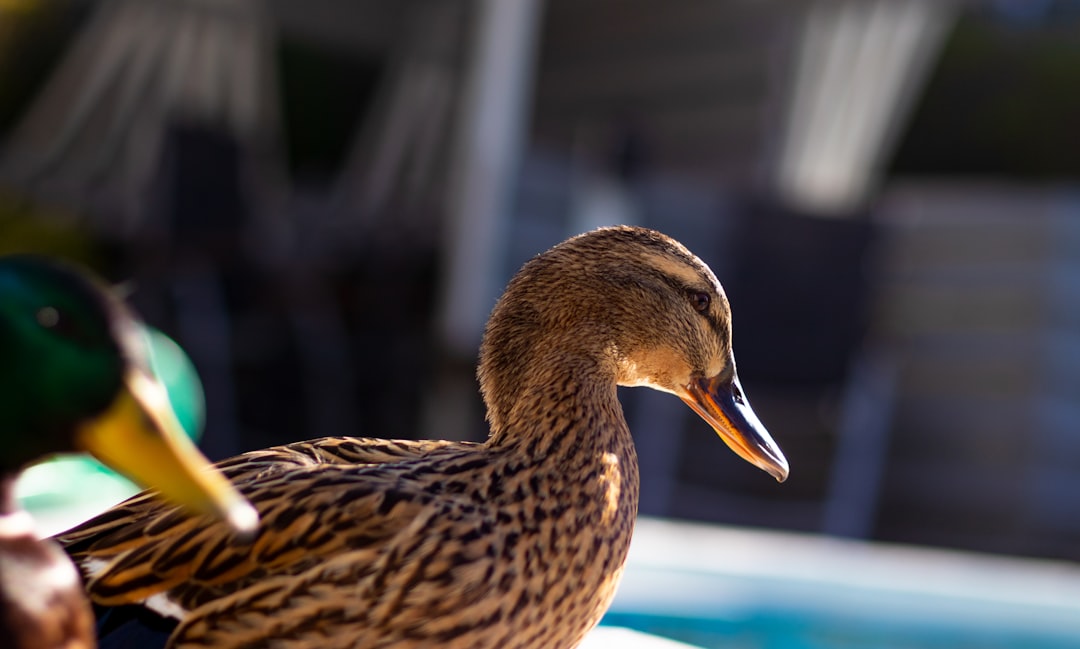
[(720, 401)]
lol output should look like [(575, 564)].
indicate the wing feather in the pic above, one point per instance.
[(378, 582), (317, 500)]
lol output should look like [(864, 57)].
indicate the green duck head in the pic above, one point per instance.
[(74, 376)]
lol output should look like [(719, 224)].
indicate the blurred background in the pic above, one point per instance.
[(321, 200)]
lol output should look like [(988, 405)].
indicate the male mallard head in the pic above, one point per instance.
[(74, 376), (643, 305)]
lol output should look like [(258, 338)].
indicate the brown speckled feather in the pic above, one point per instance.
[(316, 499), (515, 543)]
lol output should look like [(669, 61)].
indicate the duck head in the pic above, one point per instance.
[(644, 307), (74, 376)]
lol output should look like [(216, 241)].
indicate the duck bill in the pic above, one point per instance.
[(140, 437), (721, 403)]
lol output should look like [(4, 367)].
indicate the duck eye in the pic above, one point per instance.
[(47, 317), (56, 321), (700, 300)]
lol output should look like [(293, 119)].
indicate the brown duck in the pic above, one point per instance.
[(517, 542)]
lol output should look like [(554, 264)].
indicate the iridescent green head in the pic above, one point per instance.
[(65, 346), (74, 375)]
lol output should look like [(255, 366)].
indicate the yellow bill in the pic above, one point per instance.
[(140, 437)]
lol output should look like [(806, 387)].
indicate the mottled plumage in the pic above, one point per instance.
[(516, 542)]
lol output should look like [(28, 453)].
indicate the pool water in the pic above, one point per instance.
[(712, 586), (790, 631)]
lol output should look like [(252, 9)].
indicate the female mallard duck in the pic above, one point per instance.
[(515, 542), (73, 377)]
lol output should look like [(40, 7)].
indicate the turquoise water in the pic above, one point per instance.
[(722, 587), (794, 631)]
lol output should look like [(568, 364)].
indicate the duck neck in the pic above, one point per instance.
[(566, 407)]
